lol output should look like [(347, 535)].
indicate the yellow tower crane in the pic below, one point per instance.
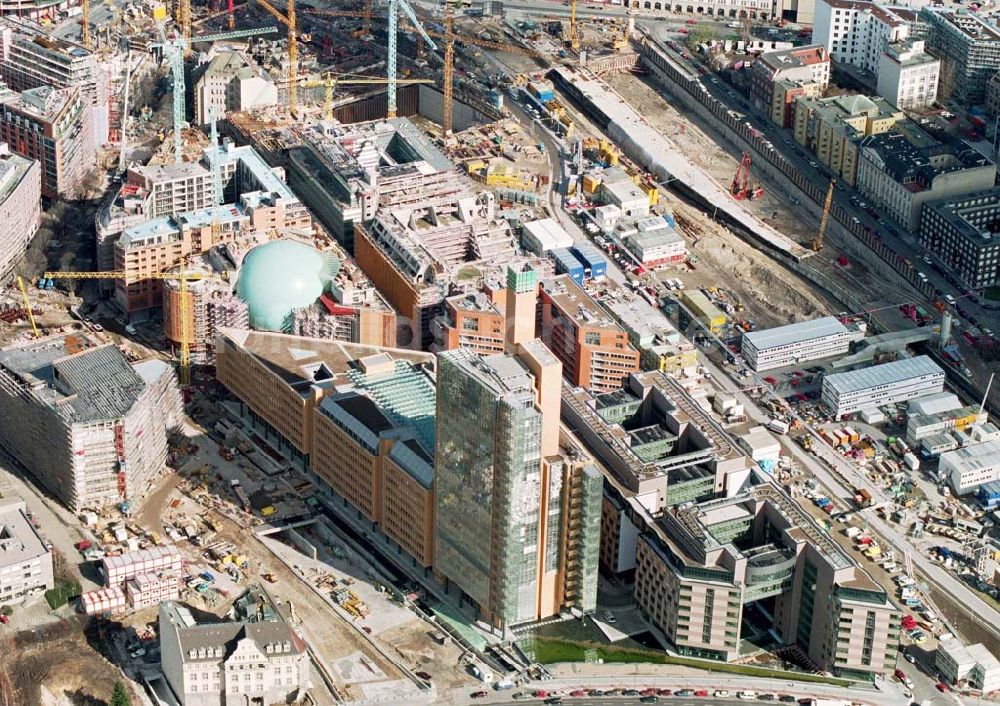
[(825, 218), (331, 80), (574, 37), (448, 76), (27, 305), (288, 19), (85, 23), (184, 362)]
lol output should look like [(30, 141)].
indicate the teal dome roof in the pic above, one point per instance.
[(280, 276)]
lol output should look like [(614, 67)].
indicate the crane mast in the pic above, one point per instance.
[(824, 219)]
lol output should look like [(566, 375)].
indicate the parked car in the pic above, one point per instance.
[(478, 694)]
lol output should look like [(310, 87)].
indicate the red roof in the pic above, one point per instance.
[(334, 308)]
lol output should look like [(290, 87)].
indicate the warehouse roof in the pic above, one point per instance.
[(972, 458), (885, 374), (795, 333)]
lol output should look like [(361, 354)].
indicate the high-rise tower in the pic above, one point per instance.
[(509, 493)]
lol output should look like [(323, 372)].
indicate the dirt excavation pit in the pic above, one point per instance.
[(761, 288)]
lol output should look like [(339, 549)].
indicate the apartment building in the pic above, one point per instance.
[(807, 68), (706, 537), (969, 49), (702, 565), (228, 82), (754, 9), (798, 343), (262, 204), (857, 32), (516, 500), (89, 426), (475, 321), (877, 385), (594, 350), (834, 127), (963, 232), (25, 560), (908, 76), (417, 255), (252, 660), (33, 58), (20, 206), (902, 170), (52, 126)]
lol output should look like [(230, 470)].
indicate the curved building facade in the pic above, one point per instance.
[(281, 276)]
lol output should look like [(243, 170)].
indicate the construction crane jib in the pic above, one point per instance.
[(394, 8)]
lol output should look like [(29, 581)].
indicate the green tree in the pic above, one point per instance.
[(120, 695), (698, 35)]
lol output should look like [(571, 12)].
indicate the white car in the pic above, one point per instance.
[(722, 694)]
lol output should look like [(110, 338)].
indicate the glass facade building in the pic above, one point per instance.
[(516, 525)]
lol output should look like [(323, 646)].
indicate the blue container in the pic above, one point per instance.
[(594, 263), (566, 263)]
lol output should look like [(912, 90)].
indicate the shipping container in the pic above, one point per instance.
[(592, 260), (567, 263)]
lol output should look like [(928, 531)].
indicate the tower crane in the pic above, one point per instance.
[(288, 19), (825, 218), (85, 24), (27, 305), (448, 77), (330, 81), (394, 8), (184, 362), (173, 49), (123, 140), (574, 37)]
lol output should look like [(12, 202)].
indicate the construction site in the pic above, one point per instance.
[(226, 386)]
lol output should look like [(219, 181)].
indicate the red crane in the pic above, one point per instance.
[(742, 187)]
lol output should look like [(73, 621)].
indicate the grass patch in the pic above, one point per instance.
[(992, 293), (58, 596), (548, 651)]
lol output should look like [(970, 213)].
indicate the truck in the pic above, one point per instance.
[(481, 672), (863, 498), (778, 426), (911, 461), (853, 532)]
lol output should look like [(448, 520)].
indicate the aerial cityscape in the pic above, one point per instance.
[(362, 352)]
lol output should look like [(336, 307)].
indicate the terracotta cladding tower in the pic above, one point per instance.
[(522, 298)]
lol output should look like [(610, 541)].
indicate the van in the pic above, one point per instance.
[(131, 330), (747, 695)]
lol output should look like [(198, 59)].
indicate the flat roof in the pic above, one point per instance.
[(575, 302), (972, 458), (795, 333), (295, 358), (885, 374), (19, 542)]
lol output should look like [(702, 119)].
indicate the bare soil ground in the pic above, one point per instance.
[(59, 664)]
